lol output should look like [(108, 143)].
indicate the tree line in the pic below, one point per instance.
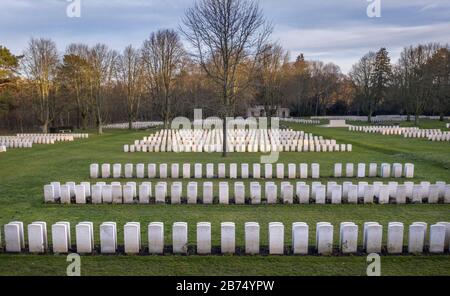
[(232, 64)]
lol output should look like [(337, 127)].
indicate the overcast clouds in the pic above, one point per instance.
[(336, 31)]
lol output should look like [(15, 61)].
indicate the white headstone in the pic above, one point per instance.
[(227, 238), (49, 193), (221, 171), (268, 171), (352, 196), (162, 171), (203, 238), (116, 194), (192, 193), (303, 193), (60, 237), (117, 170), (180, 238), (271, 193), (256, 171), (409, 170), (348, 238), (151, 169), (224, 198), (36, 242), (361, 170), (321, 194), (336, 194), (129, 170), (244, 171), (198, 171), (397, 169), (161, 192), (208, 193), (373, 168), (13, 237), (132, 237), (374, 234), (280, 170), (80, 194), (292, 174), (108, 238), (276, 238), (251, 238), (94, 170), (156, 238), (300, 238), (437, 238), (255, 193), (140, 171), (209, 170), (416, 238), (338, 170), (303, 171), (84, 237), (233, 171), (315, 171), (144, 193), (385, 170), (239, 193), (324, 238), (395, 238), (186, 171), (106, 170), (349, 167)]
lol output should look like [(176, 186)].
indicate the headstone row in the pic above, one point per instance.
[(134, 125), (208, 171), (378, 118), (301, 121), (406, 132), (238, 140), (434, 240), (240, 194), (385, 170)]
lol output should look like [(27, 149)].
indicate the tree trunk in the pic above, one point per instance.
[(224, 136)]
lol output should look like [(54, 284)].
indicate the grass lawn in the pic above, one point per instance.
[(24, 172)]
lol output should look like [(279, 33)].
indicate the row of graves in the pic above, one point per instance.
[(302, 121), (406, 132), (380, 119), (134, 125), (28, 140), (247, 171), (238, 140), (253, 193), (421, 239)]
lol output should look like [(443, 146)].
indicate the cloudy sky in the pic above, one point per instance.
[(336, 31)]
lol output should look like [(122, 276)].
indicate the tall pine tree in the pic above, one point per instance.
[(380, 79)]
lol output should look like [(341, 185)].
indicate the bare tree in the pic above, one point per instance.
[(130, 78), (163, 56), (224, 33), (102, 61), (40, 64), (361, 75), (269, 76)]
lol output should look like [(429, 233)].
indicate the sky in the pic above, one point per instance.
[(338, 31)]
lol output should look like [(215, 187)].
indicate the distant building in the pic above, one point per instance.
[(259, 111)]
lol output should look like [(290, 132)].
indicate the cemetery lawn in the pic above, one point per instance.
[(23, 172)]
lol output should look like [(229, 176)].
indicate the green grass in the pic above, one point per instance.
[(24, 172)]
